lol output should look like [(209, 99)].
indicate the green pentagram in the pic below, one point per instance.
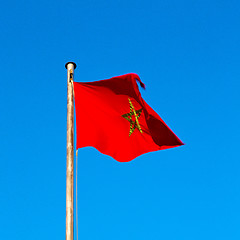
[(128, 116)]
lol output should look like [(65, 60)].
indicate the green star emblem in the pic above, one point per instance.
[(128, 116)]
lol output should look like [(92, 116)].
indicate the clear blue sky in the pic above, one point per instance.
[(187, 54)]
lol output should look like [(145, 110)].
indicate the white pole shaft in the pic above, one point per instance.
[(70, 152)]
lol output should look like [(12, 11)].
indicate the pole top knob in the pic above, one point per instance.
[(74, 64)]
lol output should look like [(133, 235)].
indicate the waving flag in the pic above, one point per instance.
[(112, 116)]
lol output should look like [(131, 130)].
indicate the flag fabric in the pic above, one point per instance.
[(112, 116)]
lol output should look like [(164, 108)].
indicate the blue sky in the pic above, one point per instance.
[(187, 54)]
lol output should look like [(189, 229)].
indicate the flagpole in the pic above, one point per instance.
[(70, 66)]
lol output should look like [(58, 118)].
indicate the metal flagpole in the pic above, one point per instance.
[(70, 66)]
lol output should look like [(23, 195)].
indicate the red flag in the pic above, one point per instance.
[(112, 117)]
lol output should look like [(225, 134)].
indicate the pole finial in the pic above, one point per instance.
[(74, 64)]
